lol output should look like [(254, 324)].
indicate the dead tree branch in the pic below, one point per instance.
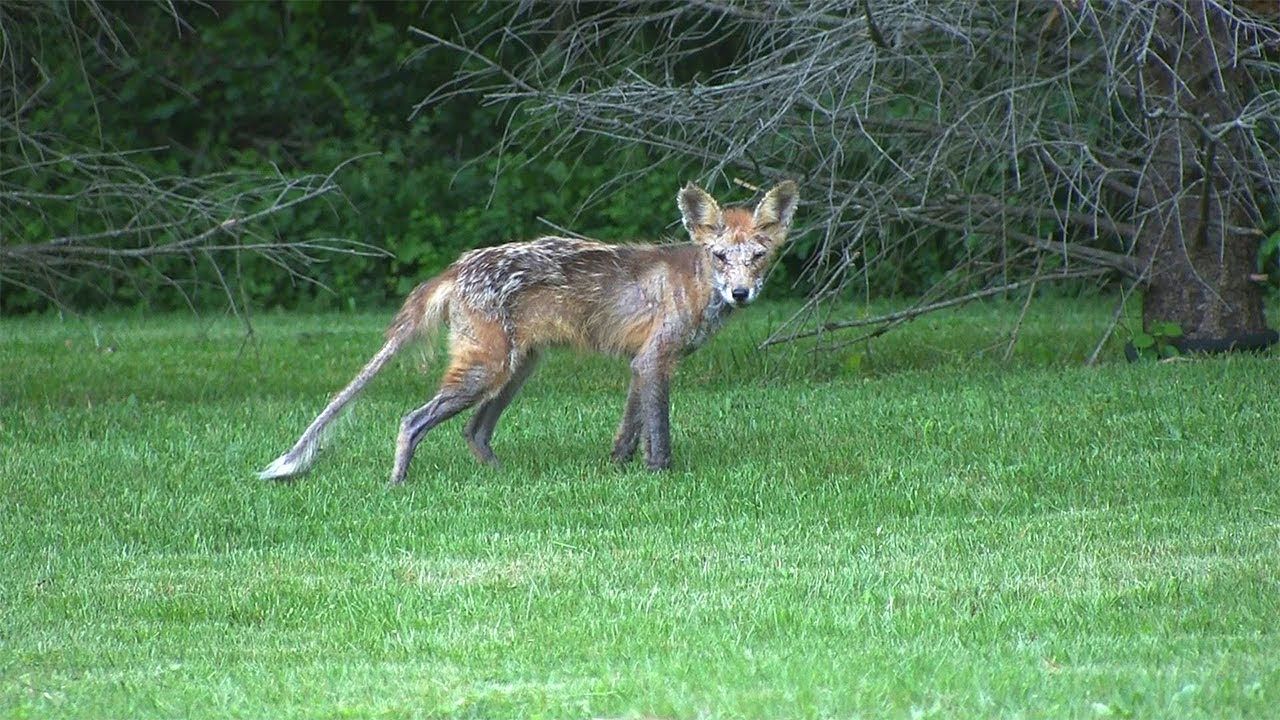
[(984, 128)]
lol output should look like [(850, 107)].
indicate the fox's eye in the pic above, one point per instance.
[(757, 255), (720, 256)]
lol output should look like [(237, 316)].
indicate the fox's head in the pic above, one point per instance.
[(740, 242)]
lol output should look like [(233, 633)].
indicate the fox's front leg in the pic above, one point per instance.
[(657, 422), (652, 383), (628, 436)]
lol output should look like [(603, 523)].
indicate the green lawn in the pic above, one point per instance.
[(915, 529)]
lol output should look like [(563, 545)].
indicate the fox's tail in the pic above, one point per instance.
[(422, 314)]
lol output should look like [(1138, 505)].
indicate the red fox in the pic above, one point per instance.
[(503, 305)]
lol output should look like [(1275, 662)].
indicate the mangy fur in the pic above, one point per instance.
[(503, 305)]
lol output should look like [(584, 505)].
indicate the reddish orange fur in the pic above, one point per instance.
[(739, 222)]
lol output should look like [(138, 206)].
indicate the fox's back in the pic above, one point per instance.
[(557, 290), (492, 279)]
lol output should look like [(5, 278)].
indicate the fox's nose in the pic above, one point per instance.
[(740, 295)]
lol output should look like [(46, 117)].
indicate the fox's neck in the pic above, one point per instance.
[(700, 292)]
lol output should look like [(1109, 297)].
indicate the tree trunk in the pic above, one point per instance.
[(1196, 242)]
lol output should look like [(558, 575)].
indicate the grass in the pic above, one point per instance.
[(915, 529)]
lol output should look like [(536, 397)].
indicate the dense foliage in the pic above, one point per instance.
[(305, 86)]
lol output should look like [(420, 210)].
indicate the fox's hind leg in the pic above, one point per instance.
[(479, 430), (478, 369)]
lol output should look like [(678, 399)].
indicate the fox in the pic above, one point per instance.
[(504, 305)]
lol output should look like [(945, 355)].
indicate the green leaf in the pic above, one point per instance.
[(1268, 249), (1142, 341)]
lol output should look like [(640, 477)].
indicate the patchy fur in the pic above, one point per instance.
[(503, 305)]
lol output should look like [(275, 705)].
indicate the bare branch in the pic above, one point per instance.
[(978, 130), (914, 312)]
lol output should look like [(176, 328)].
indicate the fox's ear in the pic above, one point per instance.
[(698, 210), (777, 207)]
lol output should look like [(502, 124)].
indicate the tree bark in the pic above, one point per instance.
[(1194, 243)]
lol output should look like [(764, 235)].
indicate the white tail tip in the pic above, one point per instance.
[(284, 466)]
